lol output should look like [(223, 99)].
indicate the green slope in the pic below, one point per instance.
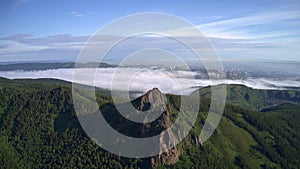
[(256, 99), (39, 129)]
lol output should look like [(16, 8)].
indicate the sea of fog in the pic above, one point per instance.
[(143, 79)]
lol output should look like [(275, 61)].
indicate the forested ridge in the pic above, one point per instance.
[(39, 129), (46, 66)]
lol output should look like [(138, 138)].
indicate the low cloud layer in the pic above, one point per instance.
[(144, 79)]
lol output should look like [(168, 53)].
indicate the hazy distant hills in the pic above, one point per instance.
[(39, 129), (45, 66), (256, 99)]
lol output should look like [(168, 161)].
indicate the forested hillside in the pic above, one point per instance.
[(39, 129), (246, 97)]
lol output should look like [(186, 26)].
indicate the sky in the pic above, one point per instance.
[(52, 30)]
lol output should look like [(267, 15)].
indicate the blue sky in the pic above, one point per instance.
[(56, 30)]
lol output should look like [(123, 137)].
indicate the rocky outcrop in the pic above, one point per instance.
[(196, 140), (154, 100), (168, 156)]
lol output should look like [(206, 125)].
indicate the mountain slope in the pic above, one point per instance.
[(256, 99), (39, 129)]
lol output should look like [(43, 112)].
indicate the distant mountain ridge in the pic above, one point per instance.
[(57, 65)]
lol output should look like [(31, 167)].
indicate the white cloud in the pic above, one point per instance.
[(16, 47), (76, 14), (238, 28), (247, 27), (80, 14), (255, 19), (142, 79)]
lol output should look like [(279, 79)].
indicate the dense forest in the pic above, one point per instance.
[(39, 129)]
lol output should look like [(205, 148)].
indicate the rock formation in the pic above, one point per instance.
[(153, 101)]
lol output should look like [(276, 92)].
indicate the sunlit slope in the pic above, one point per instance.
[(256, 99), (39, 129)]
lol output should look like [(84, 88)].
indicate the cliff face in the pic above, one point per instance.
[(154, 101)]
